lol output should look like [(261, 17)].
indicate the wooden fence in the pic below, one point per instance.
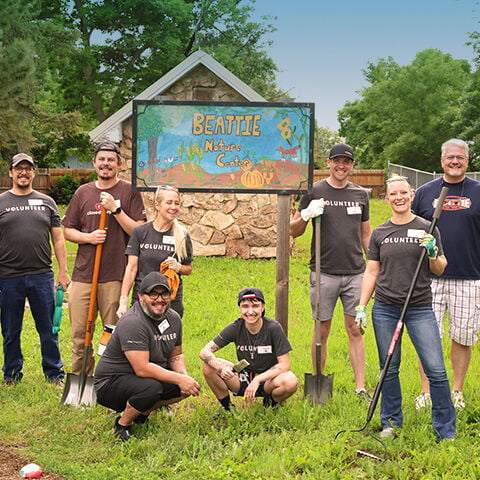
[(44, 178), (374, 179)]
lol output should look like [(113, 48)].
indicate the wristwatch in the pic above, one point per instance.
[(117, 211)]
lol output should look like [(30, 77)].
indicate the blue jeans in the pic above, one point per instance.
[(423, 331), (39, 289)]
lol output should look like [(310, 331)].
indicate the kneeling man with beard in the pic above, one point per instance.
[(143, 367)]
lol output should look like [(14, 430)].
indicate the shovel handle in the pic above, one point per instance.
[(318, 335), (96, 271)]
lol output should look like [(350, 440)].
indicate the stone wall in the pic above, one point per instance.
[(234, 225), (220, 224)]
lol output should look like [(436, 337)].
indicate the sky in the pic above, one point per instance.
[(321, 47)]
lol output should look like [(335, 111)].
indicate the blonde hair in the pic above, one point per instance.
[(398, 178), (179, 231)]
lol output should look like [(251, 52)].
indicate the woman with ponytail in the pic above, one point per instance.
[(151, 244)]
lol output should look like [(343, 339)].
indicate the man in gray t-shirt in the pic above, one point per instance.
[(345, 230), (29, 220), (143, 367)]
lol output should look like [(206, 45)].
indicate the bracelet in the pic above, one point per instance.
[(117, 211)]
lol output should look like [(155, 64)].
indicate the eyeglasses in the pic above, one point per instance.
[(165, 294), (23, 169), (460, 158)]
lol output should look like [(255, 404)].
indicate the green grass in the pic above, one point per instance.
[(296, 441)]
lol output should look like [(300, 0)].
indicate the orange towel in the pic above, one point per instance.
[(172, 277)]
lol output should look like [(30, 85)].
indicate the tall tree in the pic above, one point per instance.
[(325, 139), (17, 75), (123, 47), (32, 117), (468, 118), (406, 113)]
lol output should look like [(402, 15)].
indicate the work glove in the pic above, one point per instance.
[(314, 209), (429, 242), (123, 305), (173, 264), (361, 318)]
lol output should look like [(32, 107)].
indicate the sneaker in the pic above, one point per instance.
[(9, 383), (141, 419), (423, 400), (387, 432), (167, 411), (121, 431), (57, 383), (268, 401), (363, 394), (458, 400)]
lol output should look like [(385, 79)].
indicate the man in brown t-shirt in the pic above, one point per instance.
[(125, 211)]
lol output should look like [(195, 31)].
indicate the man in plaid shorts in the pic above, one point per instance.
[(458, 288)]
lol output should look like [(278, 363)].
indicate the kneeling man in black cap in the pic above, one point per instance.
[(143, 367), (263, 353)]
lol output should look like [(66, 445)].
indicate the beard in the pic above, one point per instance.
[(148, 311)]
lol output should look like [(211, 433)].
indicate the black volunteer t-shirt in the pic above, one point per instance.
[(137, 332), (397, 248), (262, 349), (340, 226), (25, 225)]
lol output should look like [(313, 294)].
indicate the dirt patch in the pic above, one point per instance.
[(11, 464)]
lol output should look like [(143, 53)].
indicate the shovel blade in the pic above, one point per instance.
[(318, 388), (78, 391)]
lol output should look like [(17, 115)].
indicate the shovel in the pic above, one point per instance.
[(79, 388), (318, 387)]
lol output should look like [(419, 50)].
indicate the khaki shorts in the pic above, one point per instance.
[(333, 287), (462, 299)]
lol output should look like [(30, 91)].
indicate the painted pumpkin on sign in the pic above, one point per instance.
[(252, 179)]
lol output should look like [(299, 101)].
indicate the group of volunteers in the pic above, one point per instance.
[(143, 367), (448, 279)]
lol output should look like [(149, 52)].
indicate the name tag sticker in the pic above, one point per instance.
[(168, 239), (163, 326), (414, 233), (35, 201), (264, 349), (354, 210)]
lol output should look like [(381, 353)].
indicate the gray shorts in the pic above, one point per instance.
[(462, 299), (333, 287)]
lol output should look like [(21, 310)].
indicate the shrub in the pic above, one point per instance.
[(63, 190)]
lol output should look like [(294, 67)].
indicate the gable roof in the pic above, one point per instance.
[(111, 128)]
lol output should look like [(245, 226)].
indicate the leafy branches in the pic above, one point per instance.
[(407, 112)]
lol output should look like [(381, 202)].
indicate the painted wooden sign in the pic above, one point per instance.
[(224, 147)]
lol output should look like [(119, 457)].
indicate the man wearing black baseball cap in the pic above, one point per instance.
[(143, 367), (81, 221), (29, 225), (345, 230), (262, 349)]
